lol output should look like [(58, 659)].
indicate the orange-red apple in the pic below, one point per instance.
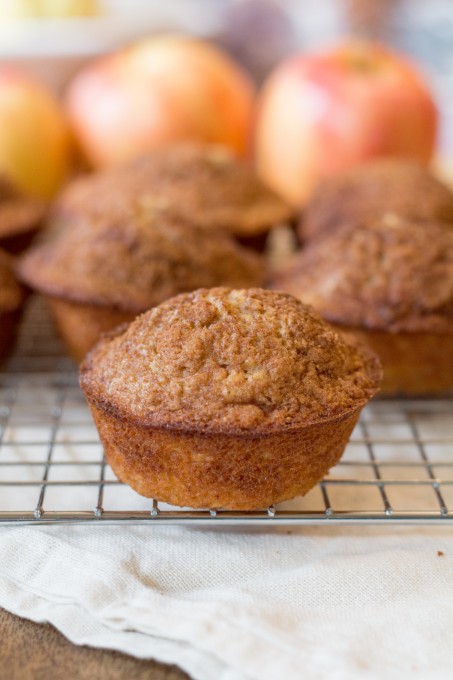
[(160, 90), (35, 148), (322, 113)]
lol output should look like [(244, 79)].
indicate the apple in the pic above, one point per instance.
[(35, 145), (160, 90), (320, 114)]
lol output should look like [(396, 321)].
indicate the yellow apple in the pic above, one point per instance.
[(35, 148)]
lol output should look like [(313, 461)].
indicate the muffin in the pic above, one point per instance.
[(201, 184), (391, 283), (397, 186), (20, 217), (11, 303), (226, 398), (99, 275)]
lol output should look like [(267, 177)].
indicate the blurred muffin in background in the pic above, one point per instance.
[(12, 297), (20, 217), (205, 185), (390, 282), (97, 275), (368, 192)]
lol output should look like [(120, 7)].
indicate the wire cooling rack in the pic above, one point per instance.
[(398, 466)]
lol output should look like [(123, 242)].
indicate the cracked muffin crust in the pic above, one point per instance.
[(252, 378), (124, 269), (368, 192), (136, 265), (390, 274), (202, 184), (230, 359), (391, 280)]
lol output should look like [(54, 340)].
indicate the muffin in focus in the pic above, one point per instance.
[(391, 283), (368, 192), (226, 398), (12, 298), (97, 276), (205, 185), (20, 217)]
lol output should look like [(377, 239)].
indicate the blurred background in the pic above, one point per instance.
[(53, 39)]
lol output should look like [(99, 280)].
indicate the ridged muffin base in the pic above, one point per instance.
[(228, 471)]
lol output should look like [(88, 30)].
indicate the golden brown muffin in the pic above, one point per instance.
[(370, 191), (201, 184), (226, 398), (391, 282), (11, 302), (20, 217), (98, 275)]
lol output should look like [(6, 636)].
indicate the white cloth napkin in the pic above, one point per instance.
[(243, 604)]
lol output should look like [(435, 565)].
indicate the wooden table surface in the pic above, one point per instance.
[(31, 651)]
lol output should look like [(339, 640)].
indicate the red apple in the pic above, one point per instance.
[(158, 91), (323, 113), (35, 149)]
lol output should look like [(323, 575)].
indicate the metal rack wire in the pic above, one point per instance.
[(398, 466)]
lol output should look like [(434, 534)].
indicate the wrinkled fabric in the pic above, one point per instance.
[(244, 604)]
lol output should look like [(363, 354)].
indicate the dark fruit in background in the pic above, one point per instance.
[(258, 33)]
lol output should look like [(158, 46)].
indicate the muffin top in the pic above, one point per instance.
[(202, 184), (235, 361), (11, 293), (137, 263), (368, 192), (18, 214), (390, 274)]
